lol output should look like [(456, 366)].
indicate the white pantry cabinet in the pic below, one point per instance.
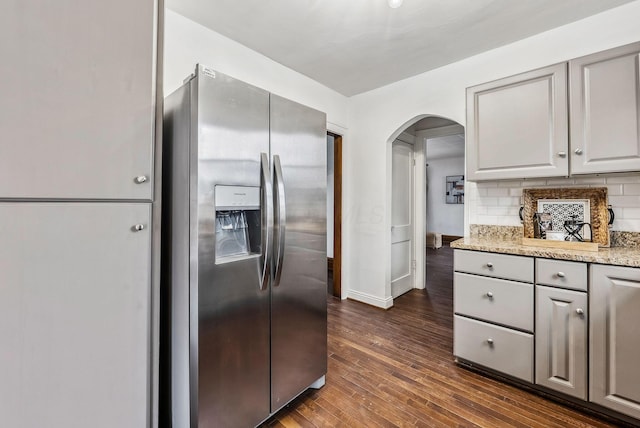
[(615, 338), (518, 126), (78, 103), (74, 315), (605, 112)]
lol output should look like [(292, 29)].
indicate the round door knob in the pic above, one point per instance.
[(578, 151), (138, 227), (490, 341), (140, 179), (490, 294), (562, 154), (490, 265), (560, 274), (580, 311)]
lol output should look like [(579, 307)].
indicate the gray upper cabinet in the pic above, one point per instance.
[(605, 111), (518, 126), (614, 326), (75, 315), (77, 110)]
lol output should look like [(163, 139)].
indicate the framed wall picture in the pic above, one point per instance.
[(455, 189)]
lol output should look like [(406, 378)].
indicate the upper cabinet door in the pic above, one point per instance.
[(605, 112), (78, 99), (517, 126)]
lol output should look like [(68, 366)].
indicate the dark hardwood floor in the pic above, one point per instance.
[(395, 368)]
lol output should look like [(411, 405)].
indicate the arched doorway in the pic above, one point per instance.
[(407, 255)]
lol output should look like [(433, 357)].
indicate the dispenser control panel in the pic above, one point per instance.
[(237, 197)]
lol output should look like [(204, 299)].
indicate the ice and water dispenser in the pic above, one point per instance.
[(238, 222)]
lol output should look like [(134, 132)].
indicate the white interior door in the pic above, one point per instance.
[(401, 218)]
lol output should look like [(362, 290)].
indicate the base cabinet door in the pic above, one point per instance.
[(615, 338), (605, 113), (74, 315), (561, 340)]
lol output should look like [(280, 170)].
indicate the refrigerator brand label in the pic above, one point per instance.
[(209, 72)]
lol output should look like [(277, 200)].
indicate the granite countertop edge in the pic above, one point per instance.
[(617, 256)]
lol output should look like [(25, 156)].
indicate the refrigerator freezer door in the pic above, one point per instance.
[(231, 303), (299, 299)]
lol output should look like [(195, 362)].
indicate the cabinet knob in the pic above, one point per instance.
[(490, 265), (138, 227), (490, 294), (140, 179), (580, 311), (490, 341), (562, 154), (560, 274), (578, 151)]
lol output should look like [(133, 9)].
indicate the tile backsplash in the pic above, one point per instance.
[(498, 202)]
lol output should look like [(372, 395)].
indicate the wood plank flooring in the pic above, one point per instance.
[(395, 369)]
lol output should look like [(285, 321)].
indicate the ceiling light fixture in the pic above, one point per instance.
[(394, 4)]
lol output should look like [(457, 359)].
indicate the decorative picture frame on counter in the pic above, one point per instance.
[(588, 205)]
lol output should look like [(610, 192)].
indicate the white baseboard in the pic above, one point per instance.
[(370, 299)]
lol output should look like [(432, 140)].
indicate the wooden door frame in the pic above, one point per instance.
[(337, 214)]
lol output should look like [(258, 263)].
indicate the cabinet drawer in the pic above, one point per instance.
[(517, 268), (502, 349), (495, 300), (563, 274)]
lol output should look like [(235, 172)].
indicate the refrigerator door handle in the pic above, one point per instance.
[(282, 217), (267, 219)]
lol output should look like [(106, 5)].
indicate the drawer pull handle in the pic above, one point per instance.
[(490, 341), (490, 294), (580, 311), (490, 265), (138, 227), (560, 274), (140, 179)]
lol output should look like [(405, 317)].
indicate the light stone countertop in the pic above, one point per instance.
[(619, 256)]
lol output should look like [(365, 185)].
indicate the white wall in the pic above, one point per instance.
[(444, 218), (376, 116), (330, 204), (188, 43)]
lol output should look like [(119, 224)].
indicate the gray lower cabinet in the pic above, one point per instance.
[(74, 315), (518, 126), (561, 340), (493, 306), (615, 338), (78, 103), (605, 113)]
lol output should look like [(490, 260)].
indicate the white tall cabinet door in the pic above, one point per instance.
[(615, 338), (561, 340), (605, 111), (518, 126), (74, 315), (78, 98), (401, 218)]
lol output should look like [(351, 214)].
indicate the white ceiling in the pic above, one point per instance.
[(353, 46), (445, 147)]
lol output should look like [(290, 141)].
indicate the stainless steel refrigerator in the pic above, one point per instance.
[(244, 252)]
